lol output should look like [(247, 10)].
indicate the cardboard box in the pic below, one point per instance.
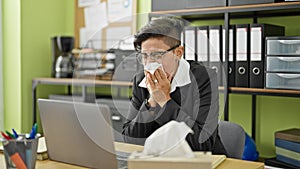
[(201, 160)]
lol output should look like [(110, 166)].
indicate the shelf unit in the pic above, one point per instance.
[(235, 12)]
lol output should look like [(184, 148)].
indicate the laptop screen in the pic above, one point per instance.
[(78, 133)]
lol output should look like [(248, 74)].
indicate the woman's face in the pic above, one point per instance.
[(168, 59)]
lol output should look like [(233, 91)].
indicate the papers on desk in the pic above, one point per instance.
[(42, 149), (93, 72), (270, 167)]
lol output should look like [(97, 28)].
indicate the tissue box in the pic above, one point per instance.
[(201, 160)]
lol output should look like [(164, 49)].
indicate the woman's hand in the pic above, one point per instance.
[(159, 87)]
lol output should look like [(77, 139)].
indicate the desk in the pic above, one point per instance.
[(72, 82), (227, 164)]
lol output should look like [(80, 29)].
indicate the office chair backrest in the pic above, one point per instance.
[(233, 138)]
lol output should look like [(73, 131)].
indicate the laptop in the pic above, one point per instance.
[(78, 133)]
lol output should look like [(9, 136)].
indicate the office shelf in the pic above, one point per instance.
[(227, 13), (259, 10), (263, 92)]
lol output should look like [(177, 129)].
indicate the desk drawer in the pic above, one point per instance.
[(283, 64), (283, 81), (283, 46)]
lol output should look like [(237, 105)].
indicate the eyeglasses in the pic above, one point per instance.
[(142, 57)]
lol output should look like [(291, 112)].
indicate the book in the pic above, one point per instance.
[(289, 145), (289, 134), (288, 156)]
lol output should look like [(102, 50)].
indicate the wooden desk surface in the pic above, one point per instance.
[(227, 164)]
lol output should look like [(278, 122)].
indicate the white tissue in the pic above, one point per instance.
[(152, 66), (169, 141)]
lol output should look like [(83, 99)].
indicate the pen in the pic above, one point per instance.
[(35, 129), (10, 135), (5, 136), (32, 133), (15, 133)]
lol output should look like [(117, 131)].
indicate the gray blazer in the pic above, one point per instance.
[(196, 104)]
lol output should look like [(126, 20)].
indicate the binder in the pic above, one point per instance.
[(232, 55), (215, 50), (257, 51), (189, 43), (242, 55), (202, 44), (182, 38)]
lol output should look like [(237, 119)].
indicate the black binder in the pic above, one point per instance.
[(257, 51), (242, 55), (232, 55), (189, 42), (215, 50), (202, 44)]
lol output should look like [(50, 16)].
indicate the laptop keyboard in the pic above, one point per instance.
[(122, 159)]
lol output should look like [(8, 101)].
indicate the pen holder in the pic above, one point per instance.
[(20, 153)]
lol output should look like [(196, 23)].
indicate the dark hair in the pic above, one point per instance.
[(166, 28)]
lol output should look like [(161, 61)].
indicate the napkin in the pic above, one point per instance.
[(152, 66), (169, 141)]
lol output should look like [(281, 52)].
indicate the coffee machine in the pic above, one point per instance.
[(62, 58)]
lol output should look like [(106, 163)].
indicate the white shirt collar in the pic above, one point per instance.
[(181, 78)]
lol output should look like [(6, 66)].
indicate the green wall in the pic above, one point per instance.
[(47, 20), (12, 63), (28, 26), (143, 8)]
